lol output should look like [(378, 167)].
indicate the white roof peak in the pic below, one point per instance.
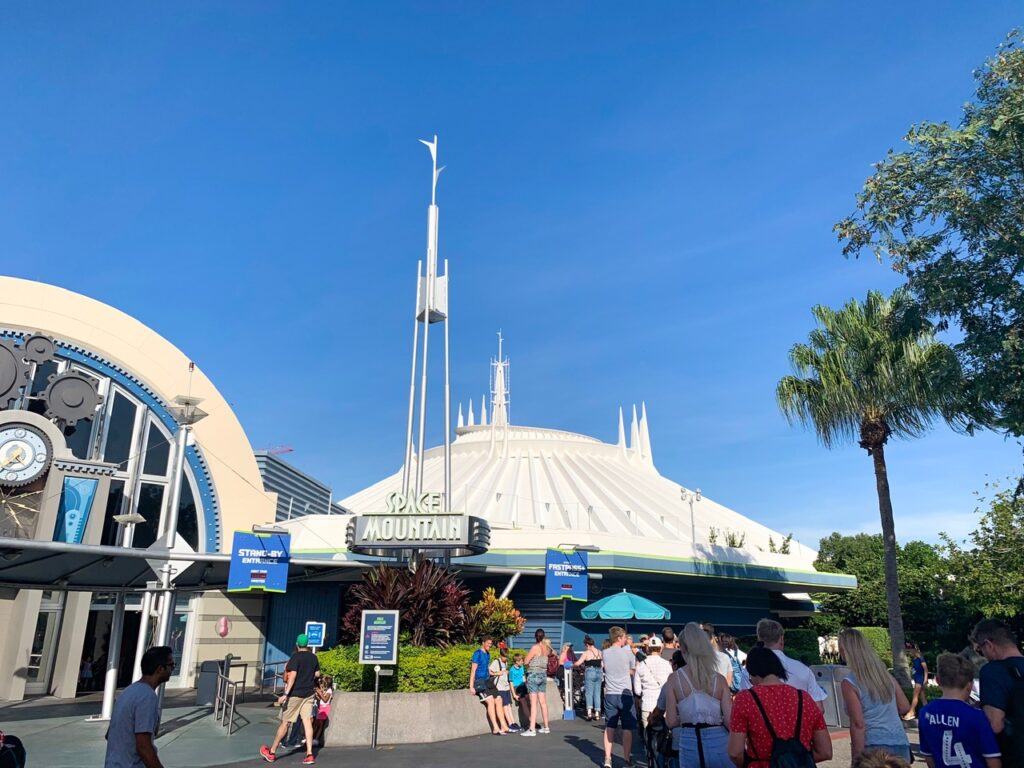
[(470, 420), (499, 387), (645, 435), (483, 410), (622, 433), (460, 423), (634, 433)]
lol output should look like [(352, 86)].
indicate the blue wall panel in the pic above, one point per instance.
[(288, 614)]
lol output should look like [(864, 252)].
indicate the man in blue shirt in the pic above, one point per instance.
[(954, 734), (480, 685)]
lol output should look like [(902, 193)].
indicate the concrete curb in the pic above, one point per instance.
[(414, 718)]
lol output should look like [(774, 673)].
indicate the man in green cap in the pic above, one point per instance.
[(300, 675)]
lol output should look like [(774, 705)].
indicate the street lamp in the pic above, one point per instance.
[(688, 497)]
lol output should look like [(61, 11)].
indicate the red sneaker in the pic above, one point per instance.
[(266, 754), (309, 760)]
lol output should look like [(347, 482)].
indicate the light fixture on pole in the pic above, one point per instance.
[(186, 412), (688, 497)]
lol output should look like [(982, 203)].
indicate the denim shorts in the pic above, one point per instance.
[(536, 682), (620, 711)]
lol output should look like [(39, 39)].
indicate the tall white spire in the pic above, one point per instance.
[(622, 433), (645, 436), (483, 410), (634, 434), (499, 388), (470, 420), (460, 423)]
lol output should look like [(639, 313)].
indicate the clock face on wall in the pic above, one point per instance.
[(25, 454)]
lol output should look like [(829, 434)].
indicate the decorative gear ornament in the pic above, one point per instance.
[(39, 348), (71, 396), (14, 372)]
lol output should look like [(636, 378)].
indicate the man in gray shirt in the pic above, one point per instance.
[(136, 716), (619, 707)]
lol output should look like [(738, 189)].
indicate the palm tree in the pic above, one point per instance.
[(871, 371)]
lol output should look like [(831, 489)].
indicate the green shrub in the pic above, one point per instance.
[(746, 642), (878, 637), (419, 669), (433, 669), (802, 644)]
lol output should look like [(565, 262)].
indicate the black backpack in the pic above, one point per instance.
[(12, 752), (787, 753), (1012, 746)]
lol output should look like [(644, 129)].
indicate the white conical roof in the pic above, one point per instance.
[(550, 487)]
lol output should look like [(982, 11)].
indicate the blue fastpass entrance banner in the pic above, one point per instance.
[(259, 561), (565, 576)]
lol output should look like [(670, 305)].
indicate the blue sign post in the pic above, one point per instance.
[(259, 561), (565, 575), (315, 633)]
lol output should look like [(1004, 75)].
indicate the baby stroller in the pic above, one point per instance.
[(658, 744)]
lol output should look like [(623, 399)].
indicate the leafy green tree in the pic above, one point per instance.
[(920, 569), (946, 212), (987, 571), (870, 371)]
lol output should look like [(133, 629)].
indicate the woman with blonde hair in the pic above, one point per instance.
[(698, 703), (874, 700)]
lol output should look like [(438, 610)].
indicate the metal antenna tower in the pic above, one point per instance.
[(431, 308)]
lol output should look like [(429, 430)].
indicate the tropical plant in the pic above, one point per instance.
[(496, 616), (433, 604), (735, 539), (871, 371)]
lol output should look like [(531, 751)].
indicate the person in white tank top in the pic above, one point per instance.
[(699, 704)]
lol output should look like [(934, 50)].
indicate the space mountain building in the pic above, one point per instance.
[(508, 494), (541, 488)]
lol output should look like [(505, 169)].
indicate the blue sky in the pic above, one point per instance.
[(642, 201)]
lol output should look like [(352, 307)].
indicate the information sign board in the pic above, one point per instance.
[(315, 633), (378, 637)]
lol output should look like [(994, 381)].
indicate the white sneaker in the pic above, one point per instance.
[(543, 730), (528, 733)]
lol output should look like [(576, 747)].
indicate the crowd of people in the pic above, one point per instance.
[(698, 701)]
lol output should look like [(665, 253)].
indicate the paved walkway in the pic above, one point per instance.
[(57, 736)]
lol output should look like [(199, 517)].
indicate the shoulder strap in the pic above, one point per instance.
[(679, 685), (799, 712), (764, 714)]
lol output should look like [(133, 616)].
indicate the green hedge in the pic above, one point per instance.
[(878, 637), (802, 644), (419, 669)]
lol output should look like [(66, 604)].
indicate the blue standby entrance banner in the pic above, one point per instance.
[(565, 575), (259, 561)]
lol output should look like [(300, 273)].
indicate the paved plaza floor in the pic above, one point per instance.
[(57, 735)]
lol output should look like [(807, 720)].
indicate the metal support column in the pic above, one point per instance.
[(140, 643), (113, 657)]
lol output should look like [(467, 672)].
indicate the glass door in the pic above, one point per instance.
[(44, 642)]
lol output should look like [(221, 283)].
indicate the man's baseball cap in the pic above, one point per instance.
[(654, 642), (302, 641)]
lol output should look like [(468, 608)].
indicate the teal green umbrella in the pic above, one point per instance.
[(625, 605)]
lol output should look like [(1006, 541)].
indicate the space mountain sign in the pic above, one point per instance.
[(417, 522)]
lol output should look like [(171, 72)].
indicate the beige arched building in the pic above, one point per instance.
[(119, 447)]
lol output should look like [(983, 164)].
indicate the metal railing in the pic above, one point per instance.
[(275, 676), (224, 702)]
